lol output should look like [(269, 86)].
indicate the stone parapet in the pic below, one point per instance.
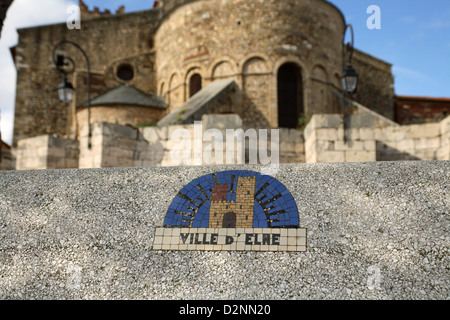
[(326, 140), (444, 151), (361, 139), (47, 152), (373, 231)]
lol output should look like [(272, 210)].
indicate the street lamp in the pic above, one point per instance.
[(65, 89), (349, 77)]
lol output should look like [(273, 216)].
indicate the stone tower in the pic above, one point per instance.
[(233, 214), (285, 55)]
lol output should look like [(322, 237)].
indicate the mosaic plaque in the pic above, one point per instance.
[(232, 211)]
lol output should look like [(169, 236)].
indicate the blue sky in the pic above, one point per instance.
[(414, 37)]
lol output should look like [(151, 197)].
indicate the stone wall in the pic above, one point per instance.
[(112, 145), (412, 142), (375, 84), (327, 141), (416, 110), (46, 152), (124, 146), (374, 231), (292, 146), (369, 139)]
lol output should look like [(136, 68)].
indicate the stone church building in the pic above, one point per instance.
[(231, 63)]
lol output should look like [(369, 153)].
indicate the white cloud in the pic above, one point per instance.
[(22, 14)]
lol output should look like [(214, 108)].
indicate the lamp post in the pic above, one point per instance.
[(65, 89), (349, 77)]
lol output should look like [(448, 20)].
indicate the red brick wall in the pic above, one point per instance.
[(415, 110)]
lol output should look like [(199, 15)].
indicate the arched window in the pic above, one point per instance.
[(290, 95), (195, 84)]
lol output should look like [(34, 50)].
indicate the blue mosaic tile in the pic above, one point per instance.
[(191, 207)]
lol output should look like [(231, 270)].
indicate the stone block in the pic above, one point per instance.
[(155, 134), (41, 151), (352, 134), (426, 154), (428, 143), (59, 142), (95, 141), (221, 121), (118, 152), (386, 145), (367, 133), (427, 130), (292, 158), (142, 145), (284, 134), (399, 134), (322, 121), (349, 146), (308, 132), (55, 162), (110, 129), (56, 152), (443, 153), (406, 145), (385, 134), (299, 148), (370, 145), (125, 143), (364, 120), (312, 137), (189, 128), (360, 156), (296, 136), (331, 156), (328, 134), (445, 126), (71, 163), (320, 146), (96, 130), (287, 146), (311, 157), (326, 121), (35, 163)]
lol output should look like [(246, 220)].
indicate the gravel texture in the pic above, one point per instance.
[(375, 231)]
